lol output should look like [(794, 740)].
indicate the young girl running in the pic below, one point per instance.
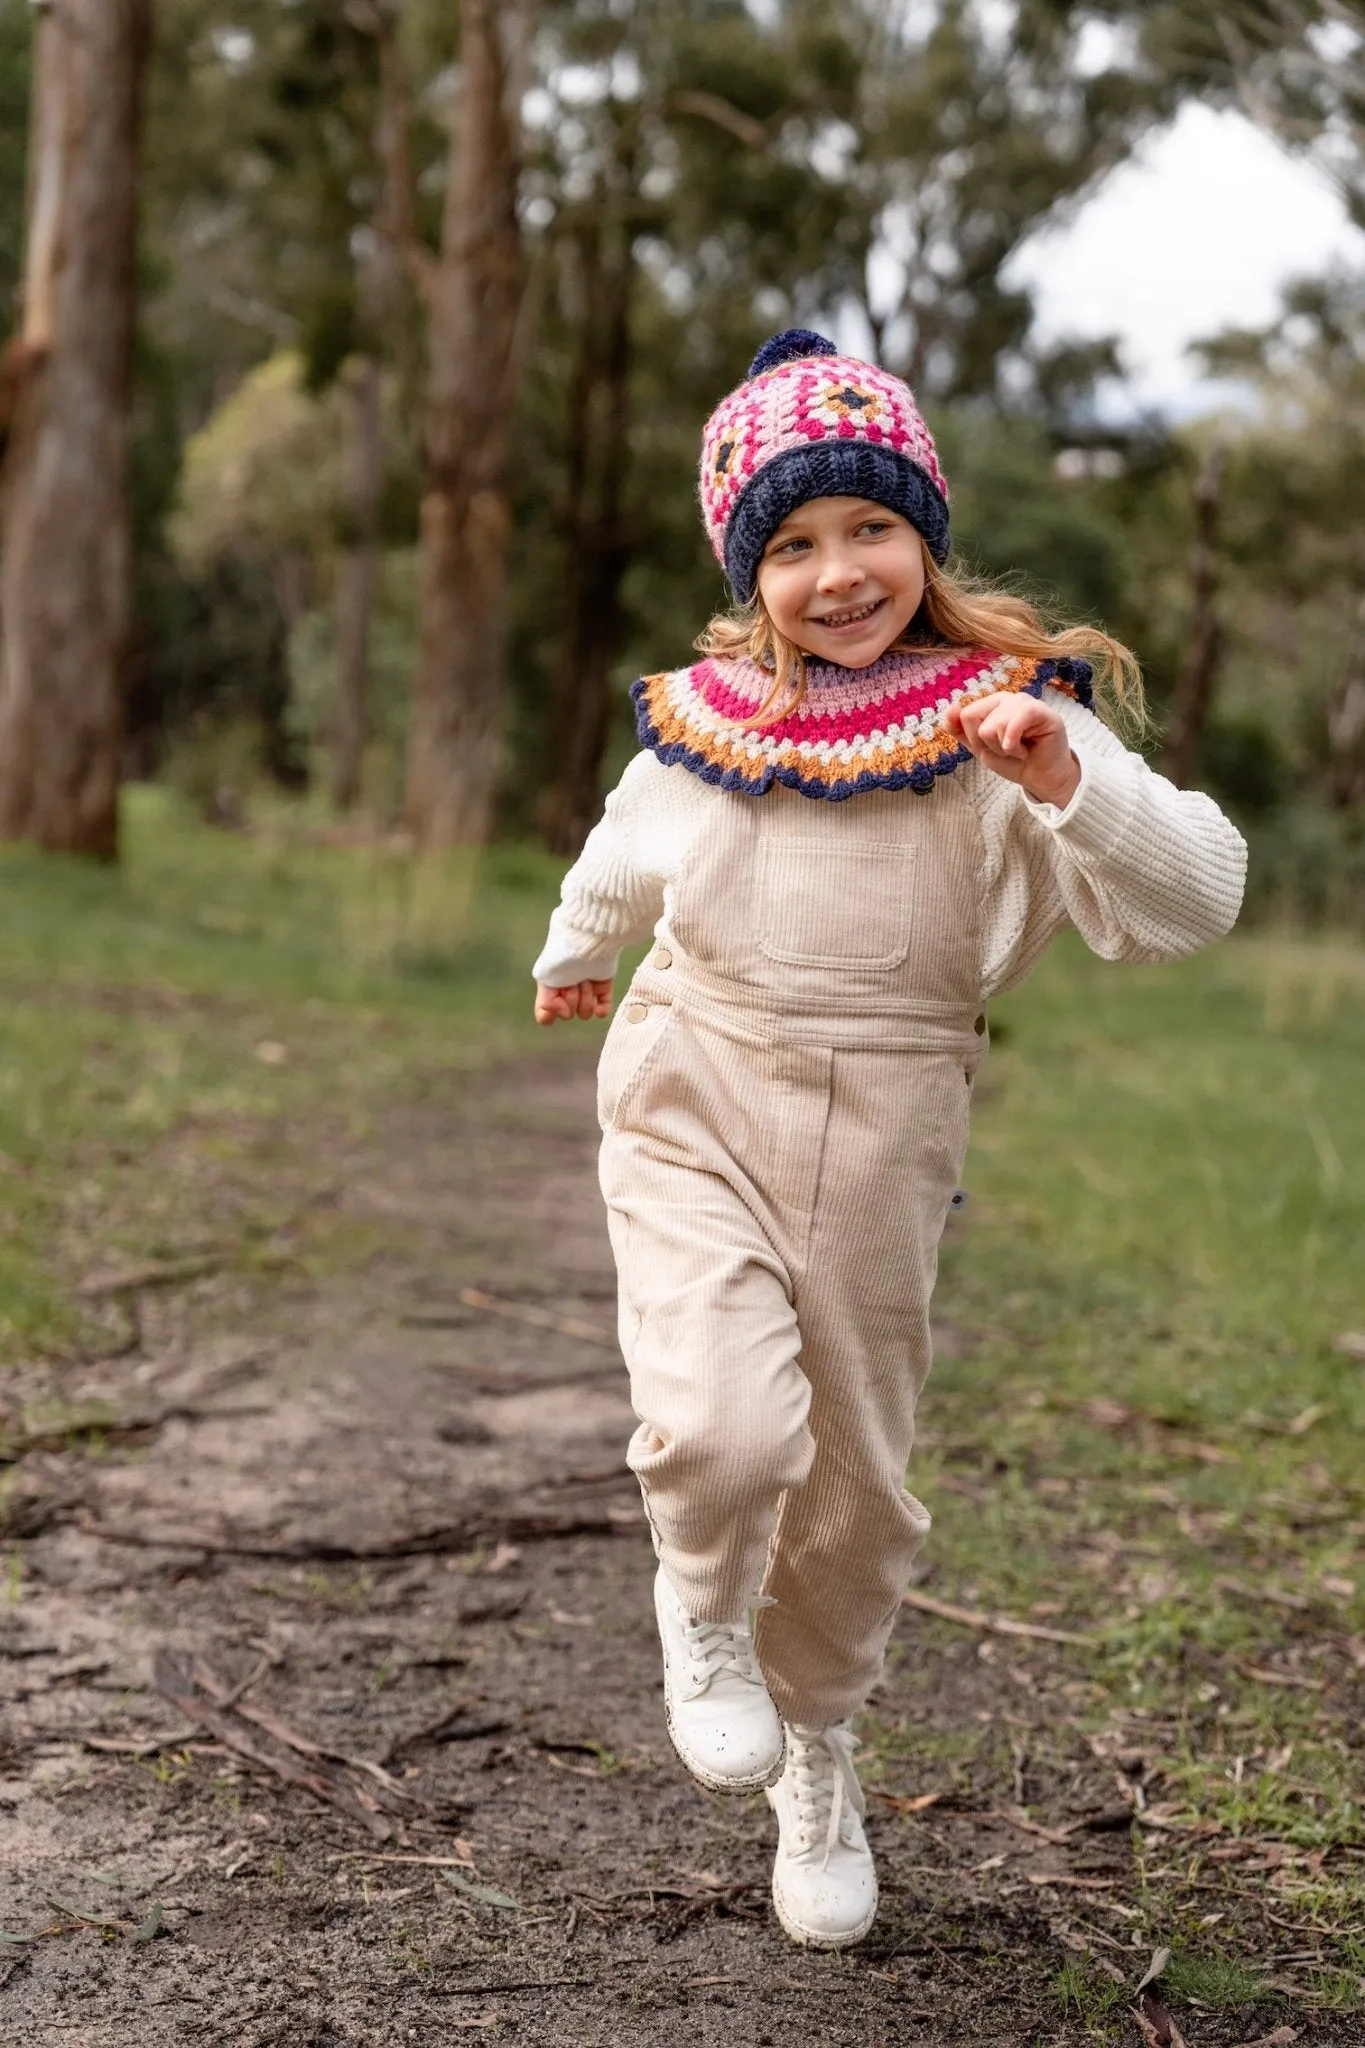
[(866, 811)]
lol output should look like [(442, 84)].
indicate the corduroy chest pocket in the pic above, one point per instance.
[(821, 905), (637, 1031)]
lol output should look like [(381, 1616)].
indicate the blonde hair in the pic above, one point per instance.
[(957, 610)]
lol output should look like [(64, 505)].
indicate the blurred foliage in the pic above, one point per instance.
[(698, 175)]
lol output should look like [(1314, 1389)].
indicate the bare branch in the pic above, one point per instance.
[(709, 106)]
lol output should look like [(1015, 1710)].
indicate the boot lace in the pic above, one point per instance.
[(824, 1786), (716, 1649)]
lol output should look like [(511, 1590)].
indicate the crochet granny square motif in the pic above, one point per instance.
[(880, 727)]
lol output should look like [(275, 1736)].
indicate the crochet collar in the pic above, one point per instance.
[(856, 729)]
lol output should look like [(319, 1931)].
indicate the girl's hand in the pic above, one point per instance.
[(583, 999), (1016, 736)]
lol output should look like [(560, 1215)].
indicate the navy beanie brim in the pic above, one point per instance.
[(828, 469)]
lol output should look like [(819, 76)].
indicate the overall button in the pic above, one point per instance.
[(637, 1013), (980, 1024), (663, 958)]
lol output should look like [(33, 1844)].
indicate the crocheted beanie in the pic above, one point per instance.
[(806, 423)]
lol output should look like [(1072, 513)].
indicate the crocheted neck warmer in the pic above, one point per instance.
[(856, 729)]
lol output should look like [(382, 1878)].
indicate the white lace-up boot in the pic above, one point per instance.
[(720, 1718), (824, 1883)]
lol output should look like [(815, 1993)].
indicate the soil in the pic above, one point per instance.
[(381, 1515)]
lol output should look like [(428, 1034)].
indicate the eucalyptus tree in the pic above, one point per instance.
[(64, 524)]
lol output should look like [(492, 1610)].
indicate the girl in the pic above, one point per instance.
[(867, 810)]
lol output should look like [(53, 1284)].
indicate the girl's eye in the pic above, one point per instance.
[(787, 547), (875, 526)]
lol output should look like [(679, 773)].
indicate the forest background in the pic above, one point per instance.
[(356, 357), (430, 300)]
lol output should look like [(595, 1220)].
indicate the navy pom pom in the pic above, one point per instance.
[(791, 346)]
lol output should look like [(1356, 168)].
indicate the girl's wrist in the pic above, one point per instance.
[(1057, 788)]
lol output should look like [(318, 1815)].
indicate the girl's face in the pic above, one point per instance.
[(842, 578)]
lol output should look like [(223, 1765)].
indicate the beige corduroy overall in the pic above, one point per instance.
[(784, 1099)]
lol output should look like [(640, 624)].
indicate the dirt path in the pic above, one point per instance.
[(370, 1516)]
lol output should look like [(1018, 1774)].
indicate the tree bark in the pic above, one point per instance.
[(64, 532), (1346, 724), (1195, 687), (475, 343), (598, 551), (357, 571)]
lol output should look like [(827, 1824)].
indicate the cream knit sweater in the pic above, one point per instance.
[(1144, 871)]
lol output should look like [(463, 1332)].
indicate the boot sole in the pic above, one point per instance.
[(806, 1937)]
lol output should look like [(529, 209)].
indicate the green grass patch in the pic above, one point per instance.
[(1147, 1430), (225, 988)]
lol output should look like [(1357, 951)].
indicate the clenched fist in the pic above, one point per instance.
[(581, 999), (1026, 741)]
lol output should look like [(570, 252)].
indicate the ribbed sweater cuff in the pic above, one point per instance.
[(568, 959), (1093, 824)]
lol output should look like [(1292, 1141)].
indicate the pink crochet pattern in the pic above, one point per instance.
[(819, 398), (880, 727)]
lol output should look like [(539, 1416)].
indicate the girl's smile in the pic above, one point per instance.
[(842, 578), (840, 622)]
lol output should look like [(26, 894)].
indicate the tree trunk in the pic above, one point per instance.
[(1346, 724), (477, 295), (357, 570), (1195, 687), (64, 538), (598, 551)]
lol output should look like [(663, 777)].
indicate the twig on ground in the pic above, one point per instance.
[(519, 1984), (519, 1312), (1290, 1678), (490, 1527), (460, 1862), (114, 1429), (361, 1790), (119, 1745), (456, 1724), (156, 1273), (992, 1624)]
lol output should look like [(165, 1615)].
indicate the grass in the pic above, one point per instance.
[(1154, 1434), (1149, 1432), (218, 988)]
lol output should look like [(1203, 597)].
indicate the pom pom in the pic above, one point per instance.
[(791, 346)]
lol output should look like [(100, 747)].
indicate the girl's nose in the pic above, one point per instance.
[(838, 573)]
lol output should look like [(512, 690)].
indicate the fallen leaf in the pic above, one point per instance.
[(1160, 1958), (151, 1926), (918, 1804), (1351, 1344), (1158, 2024), (1281, 2038), (5, 1935), (1333, 1582), (1078, 1884), (484, 1893), (271, 1053), (1303, 1422)]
